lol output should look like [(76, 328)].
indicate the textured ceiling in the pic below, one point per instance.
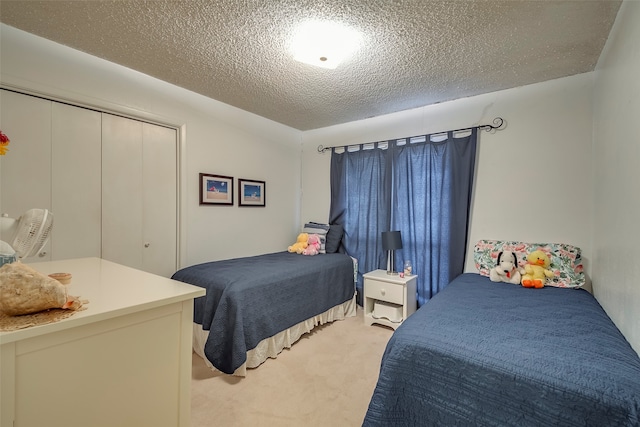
[(414, 53)]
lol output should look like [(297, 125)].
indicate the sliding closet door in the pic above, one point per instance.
[(54, 163), (122, 190), (139, 194), (76, 182), (110, 181), (25, 171), (159, 167)]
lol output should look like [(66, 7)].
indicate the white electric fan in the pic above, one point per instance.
[(30, 232)]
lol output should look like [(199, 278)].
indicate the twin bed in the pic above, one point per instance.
[(257, 306), (497, 354)]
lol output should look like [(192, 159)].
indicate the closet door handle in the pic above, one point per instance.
[(146, 245)]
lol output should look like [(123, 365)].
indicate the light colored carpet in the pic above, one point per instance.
[(325, 379)]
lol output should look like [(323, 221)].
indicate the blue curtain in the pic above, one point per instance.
[(422, 189), (432, 184), (360, 199)]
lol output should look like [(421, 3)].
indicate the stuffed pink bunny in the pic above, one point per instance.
[(313, 245)]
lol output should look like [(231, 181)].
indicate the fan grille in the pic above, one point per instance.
[(33, 232)]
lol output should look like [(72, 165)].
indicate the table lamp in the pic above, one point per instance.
[(391, 240)]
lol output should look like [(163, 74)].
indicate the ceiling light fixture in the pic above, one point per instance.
[(323, 43)]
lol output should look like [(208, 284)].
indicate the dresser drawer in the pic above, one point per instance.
[(384, 291)]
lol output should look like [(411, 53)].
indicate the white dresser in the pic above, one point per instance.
[(388, 299), (124, 361)]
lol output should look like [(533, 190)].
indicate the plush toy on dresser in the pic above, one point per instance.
[(506, 269), (536, 270)]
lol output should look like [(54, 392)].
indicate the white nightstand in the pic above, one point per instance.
[(388, 299)]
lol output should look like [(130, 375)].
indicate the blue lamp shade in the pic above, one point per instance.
[(391, 240)]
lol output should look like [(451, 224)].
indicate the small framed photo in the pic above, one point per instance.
[(216, 189), (251, 193)]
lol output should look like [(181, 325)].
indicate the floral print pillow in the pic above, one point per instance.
[(566, 260)]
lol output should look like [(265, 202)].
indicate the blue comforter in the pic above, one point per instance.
[(250, 299), (496, 354)]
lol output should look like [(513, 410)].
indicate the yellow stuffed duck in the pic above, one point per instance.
[(536, 270), (301, 243)]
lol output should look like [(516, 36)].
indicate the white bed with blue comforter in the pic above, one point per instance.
[(257, 306), (481, 353)]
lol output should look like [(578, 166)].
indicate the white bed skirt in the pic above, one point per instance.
[(271, 347)]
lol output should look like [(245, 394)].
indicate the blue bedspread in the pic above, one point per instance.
[(496, 354), (250, 299)]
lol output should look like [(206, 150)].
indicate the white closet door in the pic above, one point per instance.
[(111, 182), (76, 182), (122, 213), (159, 165), (139, 195), (25, 171)]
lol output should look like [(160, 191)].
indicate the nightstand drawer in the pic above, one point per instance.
[(384, 291)]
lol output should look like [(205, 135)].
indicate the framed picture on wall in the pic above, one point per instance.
[(251, 192), (216, 189)]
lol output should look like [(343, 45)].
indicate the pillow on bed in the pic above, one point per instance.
[(566, 260), (319, 229), (334, 237)]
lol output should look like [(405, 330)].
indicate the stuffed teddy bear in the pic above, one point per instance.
[(300, 245), (536, 270), (313, 247), (506, 269)]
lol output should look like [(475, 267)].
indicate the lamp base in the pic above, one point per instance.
[(391, 262)]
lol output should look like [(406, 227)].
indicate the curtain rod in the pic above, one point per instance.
[(497, 125)]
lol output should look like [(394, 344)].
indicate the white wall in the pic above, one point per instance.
[(216, 138), (533, 178), (616, 270)]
